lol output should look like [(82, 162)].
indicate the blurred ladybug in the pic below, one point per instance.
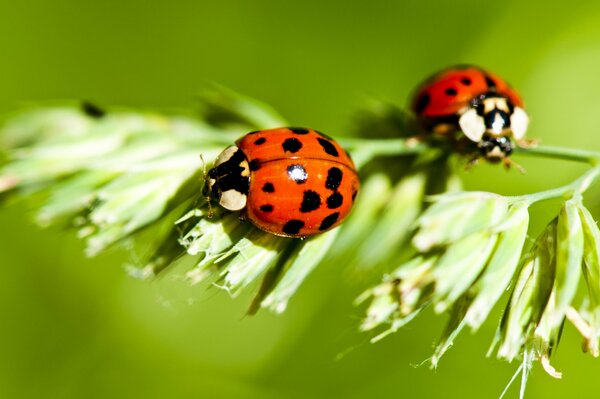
[(291, 182), (477, 103)]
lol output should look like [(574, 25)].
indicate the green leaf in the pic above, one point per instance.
[(454, 216), (510, 337), (459, 267), (252, 256), (227, 108), (569, 257), (389, 232), (530, 296), (501, 266), (383, 305), (400, 294), (372, 198), (453, 328), (591, 273), (30, 126), (307, 256)]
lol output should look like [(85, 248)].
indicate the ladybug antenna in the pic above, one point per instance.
[(205, 189), (203, 162)]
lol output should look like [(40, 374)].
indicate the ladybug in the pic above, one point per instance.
[(477, 103), (291, 182)]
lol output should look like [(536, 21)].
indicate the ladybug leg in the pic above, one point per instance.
[(210, 213), (472, 162), (242, 215), (205, 190), (508, 163), (415, 140), (208, 199), (528, 143)]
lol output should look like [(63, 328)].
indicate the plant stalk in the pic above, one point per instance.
[(576, 187), (383, 147)]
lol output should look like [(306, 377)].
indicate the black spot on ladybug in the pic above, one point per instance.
[(254, 164), (297, 173), (451, 91), (293, 226), (291, 145), (266, 208), (260, 141), (335, 200), (268, 188), (466, 81), (334, 178), (92, 110), (298, 130), (254, 132), (422, 102), (490, 83), (323, 135), (328, 147), (329, 221), (311, 201), (354, 195)]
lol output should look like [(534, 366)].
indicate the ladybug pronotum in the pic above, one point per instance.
[(291, 182)]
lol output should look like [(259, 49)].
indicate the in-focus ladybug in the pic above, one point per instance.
[(291, 182), (477, 103)]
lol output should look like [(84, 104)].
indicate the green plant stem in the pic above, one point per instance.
[(577, 187), (372, 148), (568, 154), (364, 150)]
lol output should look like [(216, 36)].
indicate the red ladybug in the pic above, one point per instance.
[(478, 103), (291, 182)]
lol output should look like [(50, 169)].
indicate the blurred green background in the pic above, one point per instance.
[(73, 327)]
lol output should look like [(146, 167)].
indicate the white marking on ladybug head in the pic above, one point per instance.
[(226, 155), (245, 168), (472, 125), (496, 153), (232, 200), (497, 124), (491, 103), (519, 121)]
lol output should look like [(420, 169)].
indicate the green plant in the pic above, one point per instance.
[(134, 179)]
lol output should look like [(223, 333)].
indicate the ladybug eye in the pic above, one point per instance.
[(472, 125), (519, 121)]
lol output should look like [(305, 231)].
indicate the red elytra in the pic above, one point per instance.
[(448, 92)]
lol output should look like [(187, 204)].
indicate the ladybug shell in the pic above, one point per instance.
[(301, 181), (450, 91)]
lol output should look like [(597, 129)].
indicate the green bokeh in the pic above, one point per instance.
[(74, 327)]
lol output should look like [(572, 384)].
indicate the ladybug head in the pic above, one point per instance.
[(494, 149), (228, 181), (494, 115)]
